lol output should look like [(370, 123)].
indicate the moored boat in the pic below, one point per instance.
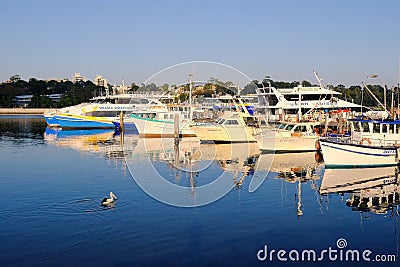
[(99, 112), (232, 127), (289, 137), (160, 122), (238, 126), (342, 153)]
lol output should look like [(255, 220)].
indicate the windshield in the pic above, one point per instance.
[(282, 126)]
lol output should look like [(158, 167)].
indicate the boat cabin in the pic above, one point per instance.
[(376, 131)]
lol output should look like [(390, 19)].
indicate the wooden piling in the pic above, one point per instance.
[(176, 128), (121, 122)]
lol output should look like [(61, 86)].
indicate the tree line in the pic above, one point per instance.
[(82, 91)]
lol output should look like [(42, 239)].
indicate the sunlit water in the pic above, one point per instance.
[(52, 183)]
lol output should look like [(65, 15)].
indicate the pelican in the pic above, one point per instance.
[(108, 201)]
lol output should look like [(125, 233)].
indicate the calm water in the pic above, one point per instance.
[(52, 183)]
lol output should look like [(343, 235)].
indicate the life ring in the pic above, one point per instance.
[(365, 139)]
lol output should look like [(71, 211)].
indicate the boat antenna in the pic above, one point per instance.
[(318, 79)]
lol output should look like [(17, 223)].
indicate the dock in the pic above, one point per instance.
[(21, 111)]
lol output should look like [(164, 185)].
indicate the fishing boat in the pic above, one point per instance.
[(238, 126), (372, 143), (148, 111), (99, 112), (347, 153), (166, 121), (155, 123), (289, 137)]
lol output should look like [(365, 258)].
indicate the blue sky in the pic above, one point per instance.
[(344, 40)]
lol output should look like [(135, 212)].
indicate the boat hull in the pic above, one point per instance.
[(156, 128), (347, 155), (220, 134), (78, 122)]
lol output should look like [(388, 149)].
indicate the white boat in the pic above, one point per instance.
[(232, 127), (238, 126), (160, 122), (285, 104), (289, 137), (372, 143), (343, 153), (100, 111)]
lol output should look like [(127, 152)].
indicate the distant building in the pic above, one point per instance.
[(58, 80), (120, 89), (24, 100), (78, 78), (100, 81)]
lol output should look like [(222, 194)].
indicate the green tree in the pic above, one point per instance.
[(40, 101), (15, 78), (133, 88)]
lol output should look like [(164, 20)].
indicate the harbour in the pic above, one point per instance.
[(54, 214)]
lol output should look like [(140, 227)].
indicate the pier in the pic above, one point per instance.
[(16, 111)]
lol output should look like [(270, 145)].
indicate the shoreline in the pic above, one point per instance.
[(23, 111)]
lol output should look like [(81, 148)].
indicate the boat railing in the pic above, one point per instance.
[(376, 142)]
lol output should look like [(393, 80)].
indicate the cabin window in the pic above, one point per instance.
[(302, 128), (282, 126), (123, 101), (376, 128), (364, 126), (384, 128), (232, 122), (391, 128), (356, 126)]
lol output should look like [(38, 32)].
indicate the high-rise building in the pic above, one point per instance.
[(100, 81), (78, 78)]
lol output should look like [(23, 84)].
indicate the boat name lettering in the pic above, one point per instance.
[(320, 103), (389, 151), (115, 108)]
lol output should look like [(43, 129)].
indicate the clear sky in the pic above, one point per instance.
[(344, 40)]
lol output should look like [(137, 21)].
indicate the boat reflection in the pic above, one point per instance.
[(238, 158), (373, 190), (189, 155), (102, 142), (297, 168)]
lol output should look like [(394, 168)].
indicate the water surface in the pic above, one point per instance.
[(52, 183)]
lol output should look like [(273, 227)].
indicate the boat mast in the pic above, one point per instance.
[(376, 99), (190, 95), (300, 115)]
